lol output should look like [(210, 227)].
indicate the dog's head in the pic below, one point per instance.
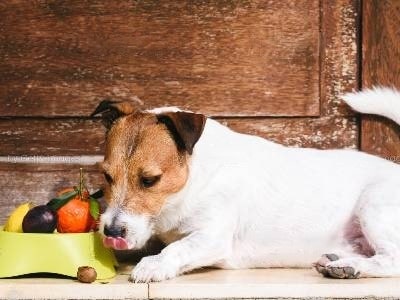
[(145, 162)]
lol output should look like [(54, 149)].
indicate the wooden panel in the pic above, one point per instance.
[(51, 137), (339, 54), (322, 133), (381, 66), (86, 137), (39, 183), (381, 136), (59, 58)]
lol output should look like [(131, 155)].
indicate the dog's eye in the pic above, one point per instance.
[(108, 178), (149, 181)]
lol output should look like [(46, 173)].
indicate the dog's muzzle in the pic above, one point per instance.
[(115, 237)]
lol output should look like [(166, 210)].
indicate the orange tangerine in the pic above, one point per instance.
[(74, 216)]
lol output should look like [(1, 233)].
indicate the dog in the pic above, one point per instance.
[(228, 200)]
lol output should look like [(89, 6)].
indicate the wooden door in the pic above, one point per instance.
[(381, 66), (271, 68)]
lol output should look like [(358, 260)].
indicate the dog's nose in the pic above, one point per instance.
[(114, 231)]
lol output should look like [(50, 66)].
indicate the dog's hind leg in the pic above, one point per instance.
[(379, 220)]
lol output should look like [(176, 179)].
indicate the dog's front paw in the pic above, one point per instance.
[(330, 265), (153, 268), (321, 264), (343, 269)]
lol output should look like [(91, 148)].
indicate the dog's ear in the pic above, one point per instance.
[(185, 127), (111, 110)]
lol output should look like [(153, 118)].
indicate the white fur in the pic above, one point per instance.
[(253, 203), (379, 100), (160, 110)]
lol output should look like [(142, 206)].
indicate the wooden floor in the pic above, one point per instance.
[(262, 283)]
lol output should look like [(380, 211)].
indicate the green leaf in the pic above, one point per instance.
[(60, 201), (94, 208)]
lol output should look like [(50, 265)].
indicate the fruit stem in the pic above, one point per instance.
[(80, 182)]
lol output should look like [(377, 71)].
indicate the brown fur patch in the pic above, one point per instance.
[(138, 146)]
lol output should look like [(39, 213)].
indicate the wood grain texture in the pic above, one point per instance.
[(51, 137), (237, 57), (381, 66), (86, 137), (39, 183), (321, 133), (340, 33)]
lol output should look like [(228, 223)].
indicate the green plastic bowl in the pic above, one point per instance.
[(59, 253)]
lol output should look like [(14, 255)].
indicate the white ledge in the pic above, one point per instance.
[(53, 159), (260, 283)]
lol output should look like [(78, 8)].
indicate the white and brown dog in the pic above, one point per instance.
[(229, 200)]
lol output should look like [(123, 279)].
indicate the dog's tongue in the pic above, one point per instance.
[(118, 243)]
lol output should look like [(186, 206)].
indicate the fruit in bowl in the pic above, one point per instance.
[(14, 222), (75, 213), (74, 210), (78, 214), (40, 219)]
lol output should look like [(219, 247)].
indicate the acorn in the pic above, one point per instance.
[(86, 274), (40, 219)]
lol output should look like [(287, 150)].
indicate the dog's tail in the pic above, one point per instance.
[(379, 101)]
